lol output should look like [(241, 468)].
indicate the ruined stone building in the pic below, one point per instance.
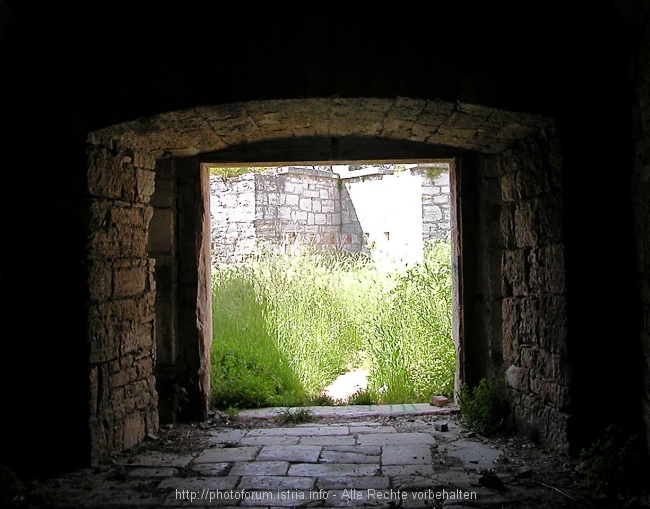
[(386, 213), (112, 120)]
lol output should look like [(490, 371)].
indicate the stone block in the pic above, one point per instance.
[(230, 454), (129, 279), (507, 223), (332, 469), (509, 189), (330, 456), (514, 273), (110, 177), (260, 468), (328, 440), (134, 430), (526, 225), (270, 440), (100, 280), (300, 431), (292, 199), (553, 324), (406, 455), (145, 184), (305, 204), (293, 453), (327, 206), (439, 401), (383, 439)]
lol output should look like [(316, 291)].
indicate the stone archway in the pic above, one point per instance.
[(510, 247)]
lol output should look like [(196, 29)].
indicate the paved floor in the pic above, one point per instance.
[(404, 460)]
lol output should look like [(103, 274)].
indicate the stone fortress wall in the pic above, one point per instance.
[(386, 211)]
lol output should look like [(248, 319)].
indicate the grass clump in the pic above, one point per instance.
[(409, 342), (295, 416), (613, 465), (248, 368), (285, 326), (485, 408), (361, 397)]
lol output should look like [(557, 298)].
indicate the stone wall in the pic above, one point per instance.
[(390, 216), (233, 212), (533, 313), (436, 213), (522, 168), (123, 398)]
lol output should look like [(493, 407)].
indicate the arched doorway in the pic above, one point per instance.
[(506, 177)]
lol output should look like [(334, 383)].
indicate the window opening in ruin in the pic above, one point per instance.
[(331, 283)]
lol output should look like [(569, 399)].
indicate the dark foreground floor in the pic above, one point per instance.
[(382, 461)]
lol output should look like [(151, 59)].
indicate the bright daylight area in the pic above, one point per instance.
[(331, 285)]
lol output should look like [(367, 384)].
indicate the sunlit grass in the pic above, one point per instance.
[(286, 326)]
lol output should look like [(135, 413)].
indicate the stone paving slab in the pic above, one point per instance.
[(262, 482), (303, 459), (225, 436), (373, 429), (332, 469), (295, 453), (227, 454), (260, 468), (328, 456), (300, 431), (357, 411), (210, 469), (270, 440), (330, 440), (396, 439), (406, 455), (407, 470), (473, 454)]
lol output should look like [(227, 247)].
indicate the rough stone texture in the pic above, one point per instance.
[(206, 129), (290, 207), (121, 180), (532, 293), (123, 399)]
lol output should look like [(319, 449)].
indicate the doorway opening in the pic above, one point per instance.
[(332, 283)]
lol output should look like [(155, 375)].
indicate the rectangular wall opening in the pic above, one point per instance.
[(294, 246)]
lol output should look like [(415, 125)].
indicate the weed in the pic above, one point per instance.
[(232, 412), (612, 464), (297, 416), (485, 408), (361, 397), (323, 400), (285, 326)]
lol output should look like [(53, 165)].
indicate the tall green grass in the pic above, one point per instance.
[(286, 326)]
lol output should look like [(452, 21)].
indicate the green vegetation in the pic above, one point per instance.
[(613, 464), (10, 486), (296, 416), (286, 326), (485, 408)]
